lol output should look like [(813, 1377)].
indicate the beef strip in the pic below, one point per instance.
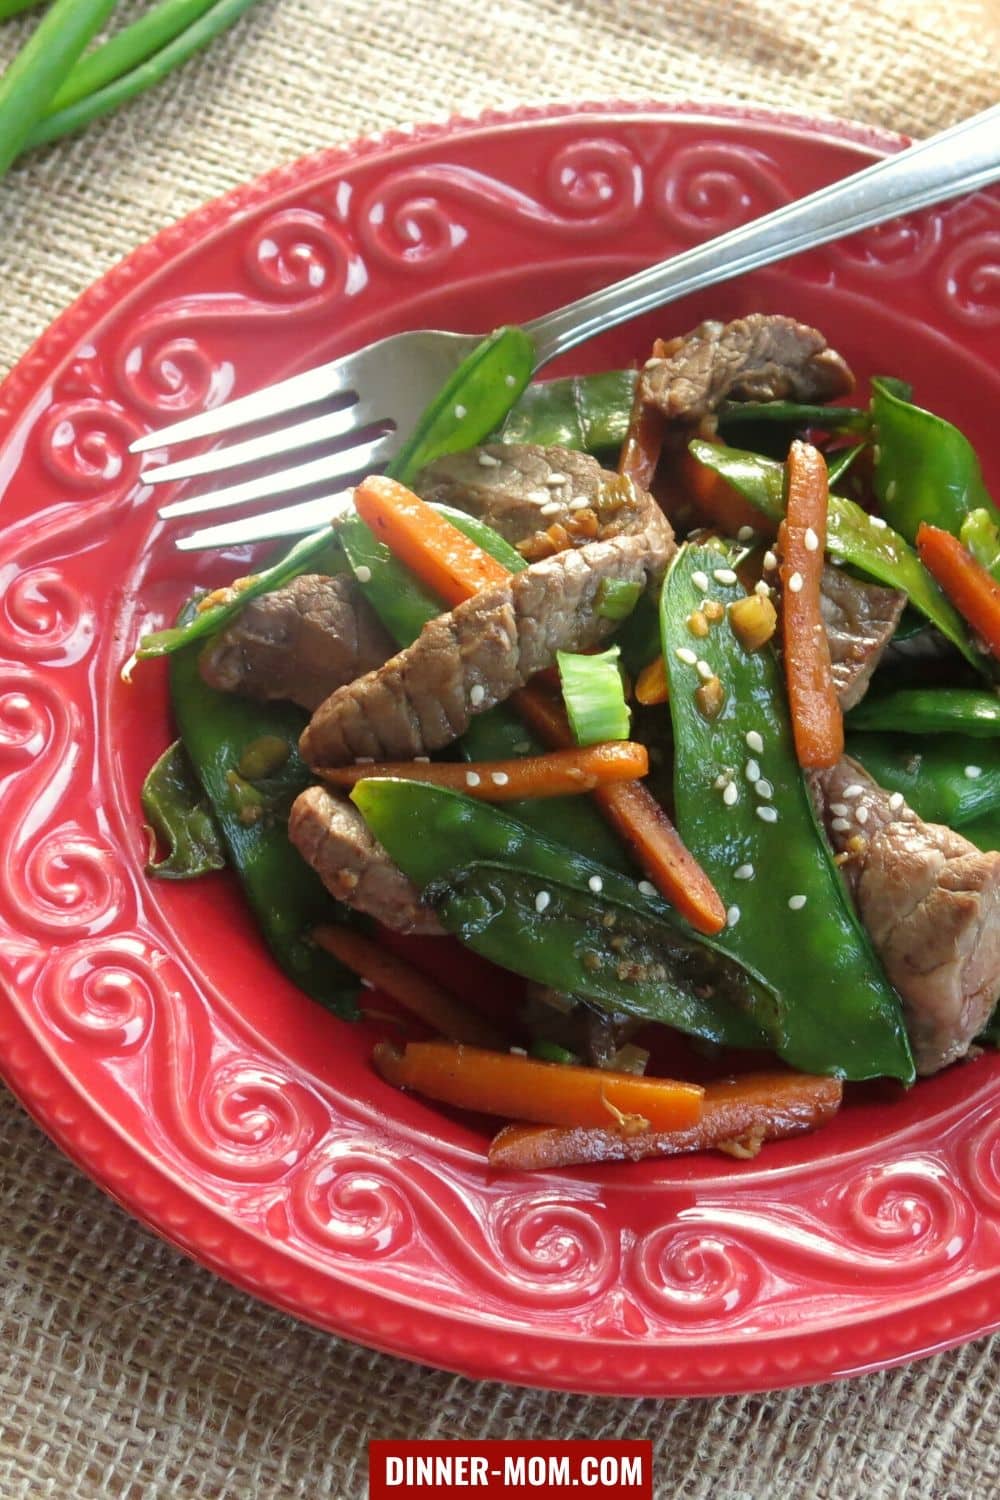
[(860, 619), (762, 357), (931, 903), (300, 642), (333, 837), (474, 657), (572, 1022)]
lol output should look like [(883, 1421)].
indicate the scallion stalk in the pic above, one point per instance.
[(127, 48), (31, 80), (594, 695)]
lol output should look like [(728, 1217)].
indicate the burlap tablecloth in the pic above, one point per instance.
[(125, 1370)]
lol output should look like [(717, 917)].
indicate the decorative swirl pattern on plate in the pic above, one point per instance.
[(353, 1199), (41, 616), (694, 1274), (704, 189), (408, 222), (982, 1159), (84, 444), (968, 280), (102, 993), (298, 256), (903, 247)]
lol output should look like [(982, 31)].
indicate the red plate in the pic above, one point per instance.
[(144, 1025)]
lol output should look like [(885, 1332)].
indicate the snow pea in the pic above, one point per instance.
[(933, 774), (925, 468), (589, 413), (404, 607), (796, 415), (174, 802), (287, 899), (558, 917), (853, 537), (790, 919), (981, 534), (930, 711)]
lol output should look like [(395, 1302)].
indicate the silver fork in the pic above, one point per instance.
[(389, 382)]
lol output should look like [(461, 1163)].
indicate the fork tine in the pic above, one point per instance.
[(354, 460), (293, 520), (317, 429), (331, 379)]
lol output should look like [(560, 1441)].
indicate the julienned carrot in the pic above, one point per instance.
[(699, 495), (455, 569), (817, 720), (738, 1116), (972, 590), (406, 985), (505, 1083), (561, 773), (644, 440), (441, 556), (651, 685)]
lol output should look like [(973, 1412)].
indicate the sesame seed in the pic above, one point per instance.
[(811, 540), (551, 508), (795, 583), (499, 778), (472, 778), (890, 491), (862, 815), (647, 888), (541, 901), (423, 760), (745, 534), (878, 523), (840, 825), (538, 497), (364, 760), (839, 809), (973, 772), (596, 884), (654, 363), (477, 693), (732, 916), (363, 574), (704, 671), (700, 581), (767, 814), (555, 480), (770, 561), (724, 575), (743, 872), (510, 380), (518, 1051), (896, 801), (761, 588), (580, 503), (754, 742), (764, 789), (522, 747), (877, 453), (487, 461), (461, 411), (752, 770), (852, 791), (687, 656), (730, 793), (796, 903), (723, 779)]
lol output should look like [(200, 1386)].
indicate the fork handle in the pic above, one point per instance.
[(958, 160)]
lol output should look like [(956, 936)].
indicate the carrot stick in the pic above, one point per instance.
[(455, 568), (644, 440), (441, 556), (561, 773), (817, 719), (505, 1083), (411, 989), (738, 1115), (968, 585), (716, 503), (651, 685)]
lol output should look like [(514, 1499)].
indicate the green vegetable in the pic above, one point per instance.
[(588, 413), (174, 803), (617, 598), (484, 536), (834, 1010), (925, 469), (551, 1052), (488, 878), (287, 899), (28, 84), (594, 695), (132, 45), (9, 8), (981, 534), (143, 75), (992, 1032), (929, 711), (639, 636), (853, 537), (932, 774), (796, 415)]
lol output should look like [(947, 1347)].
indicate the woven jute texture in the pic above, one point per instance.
[(126, 1371)]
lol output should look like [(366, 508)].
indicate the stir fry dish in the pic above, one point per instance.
[(671, 696)]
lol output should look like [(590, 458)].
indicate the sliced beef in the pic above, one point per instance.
[(860, 619), (931, 903), (757, 358), (332, 836), (300, 642), (572, 1022), (526, 492), (465, 662)]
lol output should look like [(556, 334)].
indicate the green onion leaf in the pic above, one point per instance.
[(594, 695), (617, 598)]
